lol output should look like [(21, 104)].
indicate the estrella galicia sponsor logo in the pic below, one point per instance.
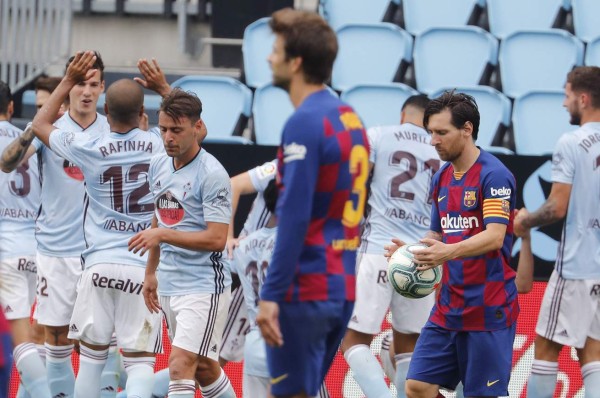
[(293, 152), (503, 193), (169, 210), (72, 171), (222, 199), (459, 223), (126, 286)]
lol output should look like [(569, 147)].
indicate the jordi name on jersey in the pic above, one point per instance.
[(124, 226), (125, 146)]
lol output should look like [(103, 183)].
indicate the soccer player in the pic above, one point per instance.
[(308, 294), (117, 204), (570, 312), (192, 195), (403, 162), (19, 203), (470, 332)]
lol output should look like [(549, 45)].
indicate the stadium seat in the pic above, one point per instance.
[(370, 53), (441, 59), (418, 15), (28, 107), (539, 119), (538, 60), (226, 105), (494, 109), (270, 110), (256, 47), (585, 19), (343, 12), (509, 16), (592, 52), (378, 104)]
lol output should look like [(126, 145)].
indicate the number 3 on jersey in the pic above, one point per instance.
[(359, 168)]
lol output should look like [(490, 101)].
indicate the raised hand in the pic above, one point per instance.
[(154, 78), (80, 69)]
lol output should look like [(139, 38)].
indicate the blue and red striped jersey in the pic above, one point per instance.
[(322, 174), (477, 293)]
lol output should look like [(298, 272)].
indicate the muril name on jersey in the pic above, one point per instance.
[(124, 226), (125, 146), (403, 215), (260, 244), (17, 213), (111, 283), (410, 135)]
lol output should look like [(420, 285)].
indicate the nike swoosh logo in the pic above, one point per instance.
[(440, 198), (489, 383), (280, 378)]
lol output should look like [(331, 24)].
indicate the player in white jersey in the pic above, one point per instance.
[(19, 203), (570, 312), (403, 162), (192, 196), (118, 204)]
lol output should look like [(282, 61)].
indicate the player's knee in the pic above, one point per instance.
[(207, 371), (181, 367), (419, 389)]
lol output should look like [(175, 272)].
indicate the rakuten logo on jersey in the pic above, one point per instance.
[(502, 192), (458, 223), (293, 152)]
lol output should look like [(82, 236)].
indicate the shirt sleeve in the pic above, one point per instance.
[(37, 144), (261, 176), (373, 137), (435, 224), (499, 197), (300, 148), (564, 160), (67, 145), (216, 196)]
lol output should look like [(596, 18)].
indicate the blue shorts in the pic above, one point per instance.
[(312, 332), (481, 360)]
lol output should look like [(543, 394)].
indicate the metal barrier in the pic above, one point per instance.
[(33, 35)]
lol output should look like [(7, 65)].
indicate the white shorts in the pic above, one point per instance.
[(109, 298), (17, 286), (570, 311), (374, 296), (256, 372), (236, 327), (57, 280), (196, 321)]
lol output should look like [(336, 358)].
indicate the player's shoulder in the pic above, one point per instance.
[(491, 166), (9, 130), (209, 163), (265, 170)]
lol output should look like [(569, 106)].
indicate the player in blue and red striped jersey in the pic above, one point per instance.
[(470, 332), (308, 295)]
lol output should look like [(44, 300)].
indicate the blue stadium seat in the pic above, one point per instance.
[(370, 53), (494, 109), (585, 19), (539, 119), (378, 104), (538, 60), (226, 105), (509, 16), (28, 108), (270, 110), (256, 47), (441, 59), (343, 12), (592, 52), (419, 15)]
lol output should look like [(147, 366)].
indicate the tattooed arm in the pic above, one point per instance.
[(17, 151)]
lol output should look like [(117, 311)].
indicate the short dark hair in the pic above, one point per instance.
[(270, 195), (419, 101), (47, 83), (462, 107), (179, 104), (5, 97), (98, 64), (308, 36), (124, 101), (586, 79)]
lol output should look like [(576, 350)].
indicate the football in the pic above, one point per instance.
[(405, 278)]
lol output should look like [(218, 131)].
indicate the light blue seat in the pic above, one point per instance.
[(494, 109), (257, 44), (539, 119), (538, 60), (585, 19), (509, 16), (226, 104), (592, 52), (420, 15), (270, 110), (441, 58), (370, 54), (378, 104), (343, 12), (28, 107)]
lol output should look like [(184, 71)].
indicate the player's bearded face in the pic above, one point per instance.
[(571, 102), (279, 65), (179, 136), (445, 137)]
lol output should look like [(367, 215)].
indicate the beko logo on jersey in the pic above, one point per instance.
[(460, 223), (500, 191), (293, 152), (111, 283)]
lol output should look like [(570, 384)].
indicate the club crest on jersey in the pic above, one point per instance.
[(169, 210), (72, 171), (470, 198)]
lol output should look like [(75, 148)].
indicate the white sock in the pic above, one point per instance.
[(323, 393), (542, 380), (91, 363), (182, 388), (140, 376), (41, 349), (109, 380), (22, 392), (384, 356), (591, 379), (122, 374), (161, 383), (219, 388), (460, 390), (402, 363), (61, 378), (32, 370), (367, 372)]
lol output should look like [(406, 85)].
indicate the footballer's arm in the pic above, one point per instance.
[(18, 151)]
